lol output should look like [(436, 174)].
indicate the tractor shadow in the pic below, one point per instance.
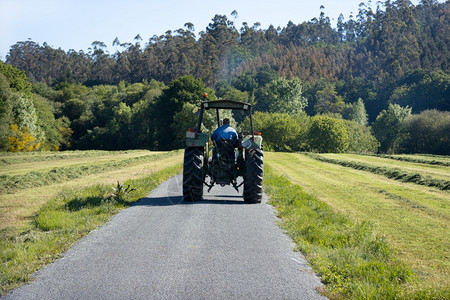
[(179, 200)]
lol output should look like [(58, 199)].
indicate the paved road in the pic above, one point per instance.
[(165, 248)]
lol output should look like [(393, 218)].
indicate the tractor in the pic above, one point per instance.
[(207, 163)]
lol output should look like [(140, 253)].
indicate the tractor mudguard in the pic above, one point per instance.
[(194, 139)]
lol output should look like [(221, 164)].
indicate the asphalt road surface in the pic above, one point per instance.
[(165, 248)]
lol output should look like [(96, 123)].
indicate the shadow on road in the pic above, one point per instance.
[(178, 200)]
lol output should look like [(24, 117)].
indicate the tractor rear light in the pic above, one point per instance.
[(190, 133)]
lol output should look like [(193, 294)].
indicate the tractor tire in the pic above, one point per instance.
[(253, 179), (193, 174)]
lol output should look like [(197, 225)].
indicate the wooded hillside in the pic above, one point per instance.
[(393, 61)]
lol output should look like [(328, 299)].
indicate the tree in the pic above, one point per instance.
[(266, 75), (189, 26), (328, 134), (17, 79), (386, 127), (27, 118), (328, 101), (355, 112), (282, 96), (340, 27), (5, 112), (235, 14), (423, 90), (51, 128), (25, 115), (360, 138), (245, 82), (217, 43), (235, 94), (102, 68), (74, 108), (398, 55), (185, 89)]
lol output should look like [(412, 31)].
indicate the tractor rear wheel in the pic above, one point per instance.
[(253, 179), (193, 174)]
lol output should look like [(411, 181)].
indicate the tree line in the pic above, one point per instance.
[(386, 68), (152, 115)]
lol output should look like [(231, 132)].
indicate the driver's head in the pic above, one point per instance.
[(226, 121)]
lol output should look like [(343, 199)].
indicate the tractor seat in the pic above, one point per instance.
[(225, 149)]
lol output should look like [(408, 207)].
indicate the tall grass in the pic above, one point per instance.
[(352, 261), (64, 220)]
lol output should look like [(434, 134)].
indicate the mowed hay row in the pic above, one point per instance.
[(9, 158), (19, 207), (22, 164), (73, 169), (443, 160), (433, 170), (389, 172), (415, 219)]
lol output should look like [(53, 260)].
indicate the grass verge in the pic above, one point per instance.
[(353, 262), (63, 221), (392, 173)]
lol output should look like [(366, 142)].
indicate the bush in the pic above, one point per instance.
[(328, 134), (280, 132), (427, 132)]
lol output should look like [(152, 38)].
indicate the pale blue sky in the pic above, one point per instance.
[(75, 24)]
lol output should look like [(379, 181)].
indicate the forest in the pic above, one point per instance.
[(377, 82)]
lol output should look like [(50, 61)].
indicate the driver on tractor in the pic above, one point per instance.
[(226, 138), (225, 132)]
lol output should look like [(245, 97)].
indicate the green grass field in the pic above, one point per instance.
[(413, 218)]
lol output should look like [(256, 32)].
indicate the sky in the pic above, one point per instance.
[(75, 24)]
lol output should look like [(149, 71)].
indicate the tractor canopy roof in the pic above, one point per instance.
[(226, 104)]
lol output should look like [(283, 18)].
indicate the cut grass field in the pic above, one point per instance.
[(38, 223), (18, 205), (414, 219)]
